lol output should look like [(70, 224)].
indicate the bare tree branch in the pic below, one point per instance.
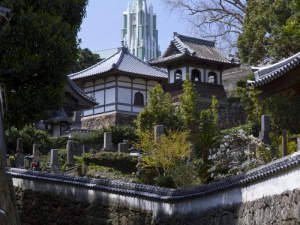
[(221, 20)]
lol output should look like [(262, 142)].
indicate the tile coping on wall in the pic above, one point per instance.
[(160, 193)]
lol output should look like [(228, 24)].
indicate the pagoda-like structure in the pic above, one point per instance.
[(201, 60), (139, 33)]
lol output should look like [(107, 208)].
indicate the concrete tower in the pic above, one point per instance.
[(139, 33)]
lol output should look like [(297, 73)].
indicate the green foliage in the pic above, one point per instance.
[(189, 106), (164, 154), (293, 23), (277, 144), (119, 161), (62, 158), (249, 129), (32, 136), (251, 102), (207, 136), (264, 34), (159, 111), (37, 51), (85, 59), (284, 113), (119, 133)]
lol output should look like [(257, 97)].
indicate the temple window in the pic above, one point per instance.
[(178, 75), (212, 78), (139, 99), (196, 75)]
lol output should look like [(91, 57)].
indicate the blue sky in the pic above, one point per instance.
[(101, 29)]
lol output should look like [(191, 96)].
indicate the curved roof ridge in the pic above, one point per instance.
[(197, 40), (95, 65), (81, 92), (126, 51), (181, 46), (265, 70)]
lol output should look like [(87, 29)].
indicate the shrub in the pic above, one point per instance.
[(119, 133), (235, 155), (32, 136), (119, 161)]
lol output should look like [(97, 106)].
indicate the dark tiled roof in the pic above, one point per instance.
[(78, 90), (264, 75), (122, 61), (80, 131), (194, 47), (154, 192), (59, 117)]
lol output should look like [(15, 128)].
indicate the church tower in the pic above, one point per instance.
[(139, 31)]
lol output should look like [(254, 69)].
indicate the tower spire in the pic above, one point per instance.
[(139, 31)]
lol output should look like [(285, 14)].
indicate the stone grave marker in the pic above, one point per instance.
[(123, 147), (35, 149), (54, 163), (107, 141), (70, 154), (265, 129), (19, 156)]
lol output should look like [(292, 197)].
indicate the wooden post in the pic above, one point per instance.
[(284, 142)]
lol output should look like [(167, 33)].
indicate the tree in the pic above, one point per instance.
[(159, 111), (166, 154), (85, 59), (36, 53), (208, 137), (190, 106), (215, 19), (264, 34), (293, 23)]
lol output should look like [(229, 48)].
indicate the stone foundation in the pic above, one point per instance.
[(46, 208), (107, 120)]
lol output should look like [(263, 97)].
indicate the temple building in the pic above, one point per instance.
[(59, 121), (139, 33), (281, 78), (201, 60), (120, 84)]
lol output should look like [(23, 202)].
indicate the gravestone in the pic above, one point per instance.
[(107, 141), (158, 131), (35, 149), (20, 145), (265, 129), (70, 154), (19, 156), (54, 163), (123, 147)]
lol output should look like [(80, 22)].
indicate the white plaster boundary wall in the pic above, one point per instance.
[(274, 178)]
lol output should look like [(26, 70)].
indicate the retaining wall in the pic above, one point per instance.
[(266, 195)]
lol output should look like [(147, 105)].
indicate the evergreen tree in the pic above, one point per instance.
[(264, 34), (159, 111), (190, 106), (37, 51), (85, 59)]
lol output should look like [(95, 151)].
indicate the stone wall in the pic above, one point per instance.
[(98, 122), (281, 209), (49, 209), (46, 208), (230, 116), (8, 212)]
